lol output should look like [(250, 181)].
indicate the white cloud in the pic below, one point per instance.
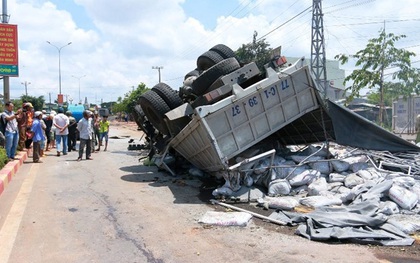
[(126, 38)]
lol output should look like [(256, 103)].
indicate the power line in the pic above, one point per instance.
[(300, 13)]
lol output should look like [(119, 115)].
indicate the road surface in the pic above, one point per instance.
[(112, 209)]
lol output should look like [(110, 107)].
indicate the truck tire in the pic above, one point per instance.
[(223, 51), (208, 59), (203, 82), (192, 73), (139, 116), (154, 108), (169, 95)]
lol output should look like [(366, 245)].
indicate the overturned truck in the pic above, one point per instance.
[(225, 108), (232, 121)]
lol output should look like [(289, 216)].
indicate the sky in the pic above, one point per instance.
[(115, 45)]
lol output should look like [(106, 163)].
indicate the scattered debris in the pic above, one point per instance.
[(355, 200)]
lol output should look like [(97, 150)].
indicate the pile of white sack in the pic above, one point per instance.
[(308, 178)]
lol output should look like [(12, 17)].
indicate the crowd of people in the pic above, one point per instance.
[(39, 132)]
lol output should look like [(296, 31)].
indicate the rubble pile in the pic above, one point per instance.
[(352, 193)]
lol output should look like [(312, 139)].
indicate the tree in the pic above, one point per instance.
[(391, 92), (38, 103), (257, 51), (130, 99), (379, 55)]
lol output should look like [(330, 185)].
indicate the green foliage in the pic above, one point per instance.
[(38, 103), (391, 92), (257, 51), (381, 54), (3, 157), (130, 99)]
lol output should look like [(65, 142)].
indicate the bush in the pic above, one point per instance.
[(3, 157)]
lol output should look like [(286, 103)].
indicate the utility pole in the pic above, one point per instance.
[(26, 86), (6, 81), (318, 60), (158, 68), (80, 99), (49, 106)]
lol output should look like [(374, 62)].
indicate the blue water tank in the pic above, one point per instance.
[(77, 111)]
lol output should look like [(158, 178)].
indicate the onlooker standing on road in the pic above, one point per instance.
[(30, 119), (72, 132), (11, 133), (103, 132), (22, 120), (44, 128), (95, 127), (48, 119), (84, 126), (38, 137), (61, 122)]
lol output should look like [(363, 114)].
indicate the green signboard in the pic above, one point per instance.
[(9, 70)]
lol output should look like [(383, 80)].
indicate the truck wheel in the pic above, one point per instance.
[(203, 82), (208, 59), (154, 108), (169, 95), (192, 73), (223, 51), (139, 116)]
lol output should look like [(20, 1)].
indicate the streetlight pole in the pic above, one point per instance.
[(59, 62), (80, 100), (26, 86), (158, 68)]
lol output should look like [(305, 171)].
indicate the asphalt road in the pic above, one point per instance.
[(112, 209)]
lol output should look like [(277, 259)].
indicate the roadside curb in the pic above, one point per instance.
[(10, 169)]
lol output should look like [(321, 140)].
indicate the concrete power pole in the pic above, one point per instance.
[(318, 60), (158, 68)]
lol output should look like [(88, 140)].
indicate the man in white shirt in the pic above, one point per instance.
[(61, 122), (85, 133)]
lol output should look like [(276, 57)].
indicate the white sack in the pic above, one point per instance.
[(317, 186), (225, 218), (354, 167), (279, 187), (318, 201), (353, 180), (305, 177), (404, 181), (322, 166), (340, 166), (336, 177), (282, 202), (403, 197)]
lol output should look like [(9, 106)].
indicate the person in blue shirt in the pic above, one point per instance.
[(38, 137)]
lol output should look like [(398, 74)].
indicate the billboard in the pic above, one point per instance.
[(8, 50)]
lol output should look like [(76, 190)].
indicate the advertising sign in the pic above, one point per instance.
[(8, 50), (60, 99)]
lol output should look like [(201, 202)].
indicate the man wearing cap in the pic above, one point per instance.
[(22, 121), (61, 122), (38, 137)]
